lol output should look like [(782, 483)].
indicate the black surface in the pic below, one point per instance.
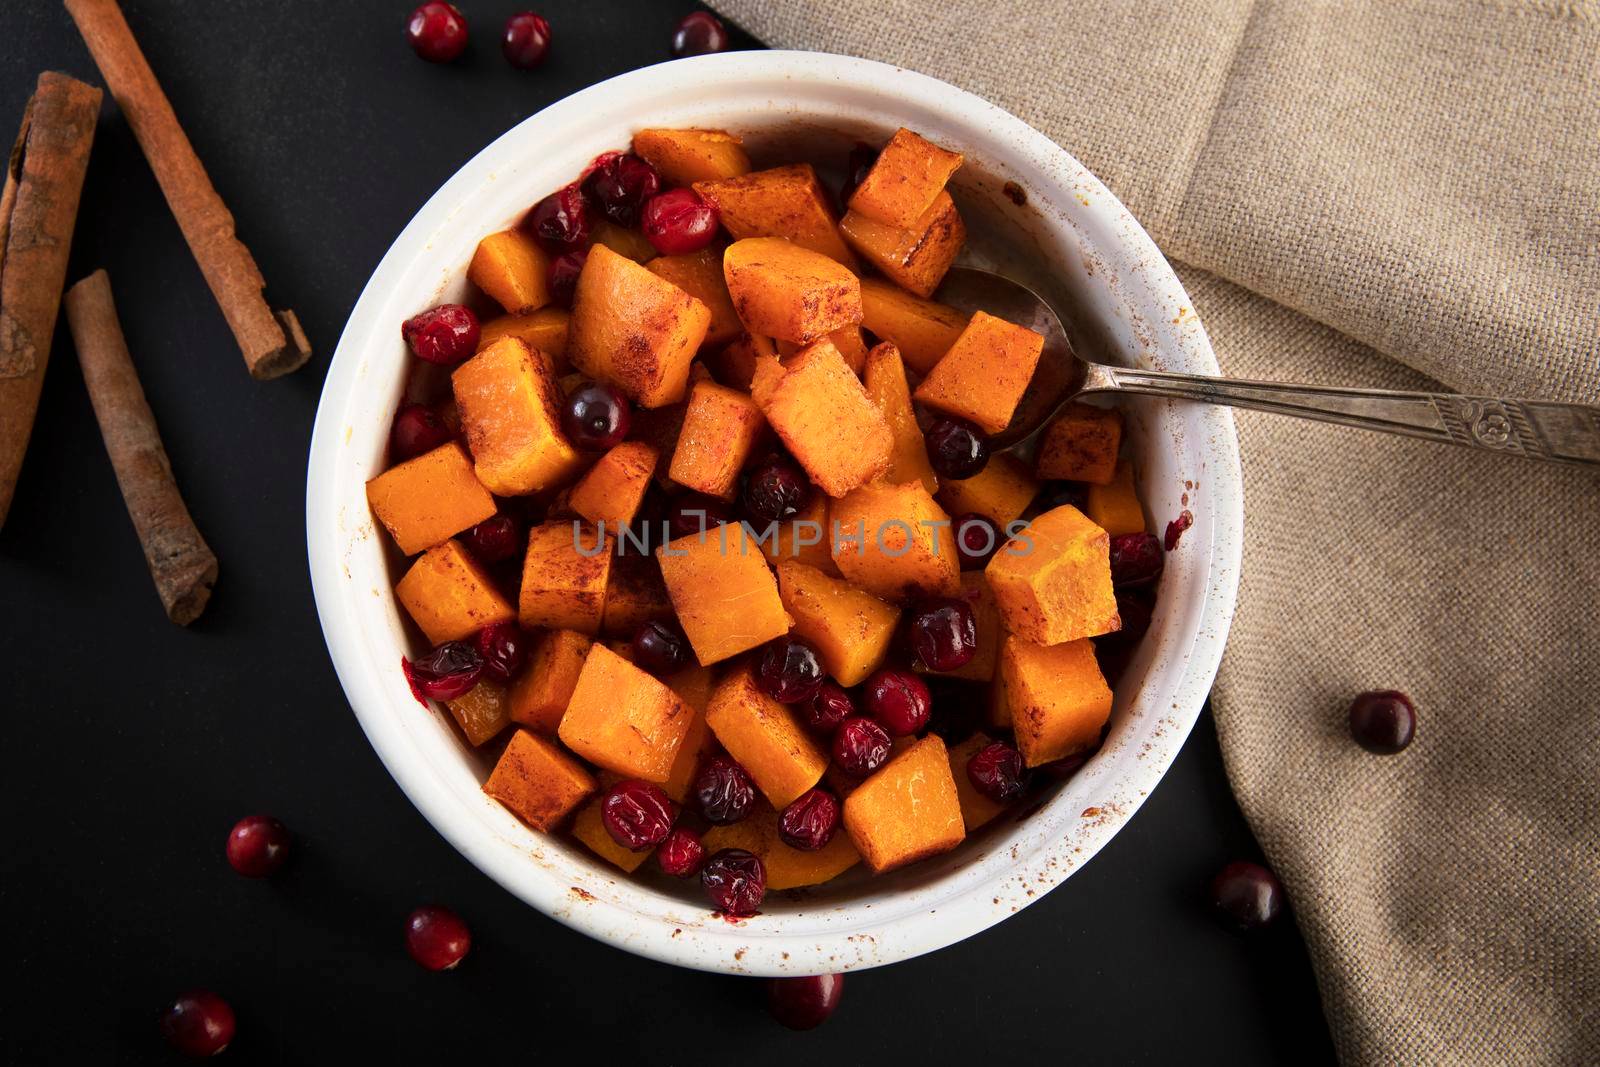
[(131, 746)]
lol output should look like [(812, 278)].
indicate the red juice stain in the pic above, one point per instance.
[(1175, 529)]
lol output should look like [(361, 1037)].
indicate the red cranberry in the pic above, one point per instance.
[(436, 937), (681, 854), (1383, 722), (446, 335), (620, 185), (831, 706), (417, 429), (860, 746), (563, 276), (724, 790), (526, 40), (804, 1003), (504, 648), (735, 881), (637, 815), (698, 34), (956, 448), (862, 157), (678, 222), (696, 513), (789, 671), (437, 31), (976, 539), (997, 772), (1136, 559), (596, 417), (660, 648), (899, 700), (448, 671), (1246, 895), (774, 490), (944, 634), (258, 845), (1175, 529), (561, 221), (497, 538), (809, 822), (198, 1023)]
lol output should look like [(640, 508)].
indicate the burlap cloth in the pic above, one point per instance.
[(1364, 193)]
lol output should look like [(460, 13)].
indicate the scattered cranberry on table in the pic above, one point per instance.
[(899, 700), (436, 937), (789, 671), (977, 538), (495, 539), (774, 490), (1383, 721), (417, 429), (695, 513), (997, 772), (621, 183), (860, 746), (437, 31), (198, 1023), (831, 705), (681, 854), (698, 34), (736, 882), (446, 335), (956, 448), (678, 222), (660, 648), (596, 417), (561, 221), (1136, 559), (258, 845), (526, 40), (944, 634), (1246, 895), (638, 815), (804, 1003), (447, 671), (563, 276), (504, 648), (724, 791), (809, 822)]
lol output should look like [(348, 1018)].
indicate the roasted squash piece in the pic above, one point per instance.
[(635, 594), (611, 491), (590, 828), (822, 413), (513, 270), (787, 202), (481, 712), (851, 629), (538, 782), (850, 342), (894, 541), (429, 499), (1053, 581), (734, 365), (1001, 491), (1115, 506), (976, 809), (723, 592), (908, 810), (984, 374), (510, 405), (719, 431), (634, 329), (909, 174), (684, 157), (700, 275), (765, 737), (886, 385), (564, 578), (539, 695), (802, 537), (1081, 445), (787, 868), (916, 258), (784, 291), (1057, 700), (922, 330), (544, 331), (624, 719), (449, 596)]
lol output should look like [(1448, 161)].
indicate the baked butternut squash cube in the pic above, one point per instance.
[(823, 415), (734, 365), (481, 712), (630, 243), (429, 499), (976, 809), (787, 292), (512, 270), (613, 488), (719, 431), (851, 629), (909, 174), (633, 329), (850, 342), (564, 578), (635, 595), (984, 374), (922, 330), (624, 719), (1001, 491), (1115, 506), (802, 538), (539, 695), (787, 868), (765, 737), (764, 381), (895, 542), (723, 592), (787, 202), (450, 596), (538, 782), (986, 613), (1056, 699), (684, 157), (510, 404), (1052, 582), (908, 810), (589, 827), (886, 384), (700, 275), (916, 258), (544, 331), (1081, 445)]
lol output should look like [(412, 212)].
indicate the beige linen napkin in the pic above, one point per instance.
[(1367, 193)]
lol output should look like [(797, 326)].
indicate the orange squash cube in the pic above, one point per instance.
[(895, 542), (802, 538), (624, 719), (850, 342), (590, 828), (1052, 582), (539, 695), (513, 270), (723, 592), (538, 782), (450, 596), (544, 331), (700, 275), (629, 243), (481, 712), (564, 578), (510, 406), (734, 365), (976, 809), (908, 176), (429, 499), (822, 413), (922, 330), (633, 329), (887, 386), (720, 429), (684, 157), (1001, 491), (787, 202), (1055, 696), (851, 629), (916, 258), (787, 292), (1115, 506), (613, 488), (787, 868), (765, 738), (986, 613), (908, 810), (1081, 445), (984, 374), (635, 595), (764, 381)]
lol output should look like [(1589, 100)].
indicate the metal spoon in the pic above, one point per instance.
[(1536, 429)]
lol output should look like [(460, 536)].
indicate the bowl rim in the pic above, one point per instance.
[(975, 897)]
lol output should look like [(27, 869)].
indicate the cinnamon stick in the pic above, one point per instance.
[(272, 341), (44, 180), (181, 563)]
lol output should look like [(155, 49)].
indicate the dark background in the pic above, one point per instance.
[(132, 745)]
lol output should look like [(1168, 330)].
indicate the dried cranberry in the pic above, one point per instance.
[(596, 417), (660, 647), (831, 706), (445, 335), (1175, 529), (860, 746), (496, 538), (561, 221), (724, 790), (563, 276), (699, 33), (417, 429), (956, 448), (862, 157), (448, 671), (1246, 895), (1383, 721), (437, 31), (1136, 559), (775, 489), (696, 513), (804, 1003), (678, 222), (997, 772), (976, 539), (789, 671), (620, 185), (436, 937), (526, 40), (944, 634), (504, 648), (681, 854), (198, 1023), (257, 845), (638, 815), (809, 822), (735, 881), (899, 700)]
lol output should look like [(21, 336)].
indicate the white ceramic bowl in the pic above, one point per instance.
[(1073, 239)]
